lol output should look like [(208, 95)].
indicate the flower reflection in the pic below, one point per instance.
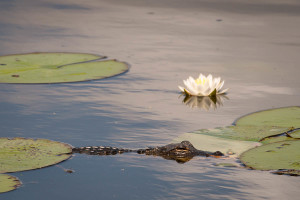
[(205, 103)]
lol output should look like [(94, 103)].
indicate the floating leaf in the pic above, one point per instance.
[(57, 68), (295, 134), (8, 183), (260, 125), (249, 132), (285, 136), (19, 154), (273, 156), (211, 143), (280, 117), (277, 139)]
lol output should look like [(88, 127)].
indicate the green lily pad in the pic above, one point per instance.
[(212, 143), (248, 133), (277, 139), (280, 117), (295, 134), (57, 68), (260, 125), (19, 154), (8, 183), (273, 156)]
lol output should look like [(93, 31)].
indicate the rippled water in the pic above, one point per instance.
[(255, 50)]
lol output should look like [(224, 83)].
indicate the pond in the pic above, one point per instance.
[(253, 46)]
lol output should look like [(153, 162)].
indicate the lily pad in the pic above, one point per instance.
[(212, 143), (248, 133), (8, 183), (57, 68), (277, 139), (280, 117), (260, 125), (19, 154), (273, 156), (295, 134), (287, 136)]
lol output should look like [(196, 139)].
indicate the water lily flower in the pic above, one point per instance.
[(203, 86)]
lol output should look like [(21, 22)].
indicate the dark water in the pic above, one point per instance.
[(255, 51)]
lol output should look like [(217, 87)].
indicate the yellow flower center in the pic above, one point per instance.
[(200, 81)]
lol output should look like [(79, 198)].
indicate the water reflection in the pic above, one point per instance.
[(205, 103)]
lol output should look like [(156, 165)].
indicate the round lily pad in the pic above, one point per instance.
[(247, 132), (260, 125), (19, 154), (295, 134), (280, 117), (57, 68), (273, 156), (8, 183)]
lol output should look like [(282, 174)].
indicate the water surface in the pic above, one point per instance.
[(253, 45)]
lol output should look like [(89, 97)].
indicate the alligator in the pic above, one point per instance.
[(180, 152)]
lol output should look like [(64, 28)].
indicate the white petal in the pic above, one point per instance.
[(207, 85), (209, 79), (181, 88), (191, 79), (220, 85), (201, 76), (192, 82), (208, 91), (223, 91), (193, 93), (216, 82), (191, 88), (186, 83), (200, 88)]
